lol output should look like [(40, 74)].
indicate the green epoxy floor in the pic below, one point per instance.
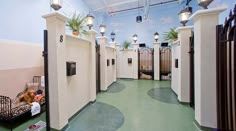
[(142, 112)]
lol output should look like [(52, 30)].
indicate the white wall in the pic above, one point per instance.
[(125, 70), (111, 69), (183, 73), (20, 61), (205, 22), (175, 72), (78, 50), (107, 72)]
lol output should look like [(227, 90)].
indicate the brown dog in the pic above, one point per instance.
[(28, 96)]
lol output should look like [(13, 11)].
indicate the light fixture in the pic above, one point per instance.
[(135, 38), (102, 28), (156, 36), (184, 15), (204, 3), (113, 36), (90, 19), (56, 4), (139, 17)]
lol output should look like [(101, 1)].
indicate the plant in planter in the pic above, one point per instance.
[(76, 24), (126, 44), (171, 35)]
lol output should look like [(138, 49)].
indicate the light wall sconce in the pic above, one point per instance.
[(184, 15), (102, 28), (113, 36), (56, 4), (156, 36), (90, 19), (204, 3), (135, 38)]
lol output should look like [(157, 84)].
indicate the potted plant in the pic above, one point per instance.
[(126, 44), (76, 24), (171, 35)]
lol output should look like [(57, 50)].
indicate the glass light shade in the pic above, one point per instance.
[(204, 3), (113, 36), (56, 4), (184, 15), (89, 21), (102, 28), (156, 36), (135, 37)]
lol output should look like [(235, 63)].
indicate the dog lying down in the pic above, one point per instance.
[(145, 76), (28, 97)]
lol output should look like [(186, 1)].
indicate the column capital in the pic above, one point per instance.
[(207, 12), (92, 32), (56, 14), (184, 28), (156, 43), (102, 37)]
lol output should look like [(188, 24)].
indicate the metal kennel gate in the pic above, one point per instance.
[(226, 76), (191, 71), (165, 63), (146, 62), (98, 80)]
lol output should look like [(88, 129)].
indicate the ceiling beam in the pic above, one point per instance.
[(116, 4)]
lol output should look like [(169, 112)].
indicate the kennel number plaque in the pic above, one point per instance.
[(61, 38)]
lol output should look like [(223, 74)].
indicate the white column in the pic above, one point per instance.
[(92, 34), (135, 60), (117, 60), (184, 34), (112, 44), (102, 41), (57, 70), (156, 61), (205, 22)]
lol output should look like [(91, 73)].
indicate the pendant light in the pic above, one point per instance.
[(139, 17)]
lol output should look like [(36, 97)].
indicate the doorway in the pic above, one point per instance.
[(146, 63), (165, 63)]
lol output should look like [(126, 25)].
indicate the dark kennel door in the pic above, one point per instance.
[(45, 55), (98, 79), (191, 71), (165, 62), (226, 75), (146, 61)]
